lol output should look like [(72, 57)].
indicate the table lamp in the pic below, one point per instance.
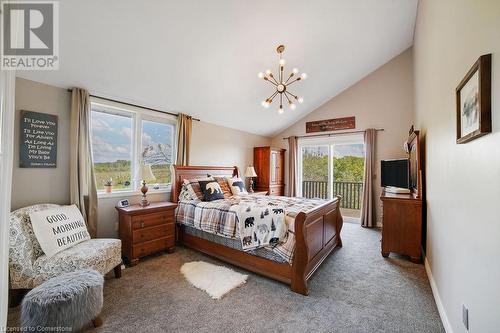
[(250, 172), (147, 174)]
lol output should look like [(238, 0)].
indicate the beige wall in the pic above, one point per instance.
[(211, 145), (216, 145), (463, 192), (383, 99), (31, 186)]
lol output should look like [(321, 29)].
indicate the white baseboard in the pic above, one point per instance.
[(437, 298)]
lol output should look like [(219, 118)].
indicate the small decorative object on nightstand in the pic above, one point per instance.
[(250, 172), (146, 230), (147, 174)]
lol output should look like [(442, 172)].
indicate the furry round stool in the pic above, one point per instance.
[(68, 301)]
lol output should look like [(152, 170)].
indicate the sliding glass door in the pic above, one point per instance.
[(331, 166), (315, 171)]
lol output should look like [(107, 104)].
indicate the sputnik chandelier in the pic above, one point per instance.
[(281, 84)]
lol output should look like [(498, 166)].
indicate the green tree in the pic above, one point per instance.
[(345, 169)]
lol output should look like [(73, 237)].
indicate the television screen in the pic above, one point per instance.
[(395, 173)]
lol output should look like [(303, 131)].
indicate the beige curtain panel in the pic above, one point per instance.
[(184, 129), (83, 191), (368, 216), (292, 166)]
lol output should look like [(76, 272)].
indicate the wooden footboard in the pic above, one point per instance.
[(317, 234)]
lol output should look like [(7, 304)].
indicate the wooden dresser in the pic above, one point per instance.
[(146, 230), (402, 225), (402, 213), (269, 164)]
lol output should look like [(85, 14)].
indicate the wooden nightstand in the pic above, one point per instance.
[(146, 230)]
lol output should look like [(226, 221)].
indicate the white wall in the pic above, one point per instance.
[(383, 99), (211, 145), (7, 96), (463, 192)]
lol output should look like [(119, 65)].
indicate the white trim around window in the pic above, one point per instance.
[(137, 115)]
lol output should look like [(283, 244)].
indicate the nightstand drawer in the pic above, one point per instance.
[(151, 220), (147, 234), (153, 246)]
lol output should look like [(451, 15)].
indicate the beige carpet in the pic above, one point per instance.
[(355, 290)]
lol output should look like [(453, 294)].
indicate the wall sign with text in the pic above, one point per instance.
[(38, 140), (335, 124)]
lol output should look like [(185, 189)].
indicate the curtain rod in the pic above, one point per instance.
[(332, 134), (136, 105)]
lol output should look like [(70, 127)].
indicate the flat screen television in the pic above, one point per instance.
[(395, 173)]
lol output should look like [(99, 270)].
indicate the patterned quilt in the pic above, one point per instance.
[(260, 226), (220, 216)]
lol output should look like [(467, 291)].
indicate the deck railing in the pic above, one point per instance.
[(351, 192)]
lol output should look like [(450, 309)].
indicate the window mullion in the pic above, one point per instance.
[(330, 171), (137, 150)]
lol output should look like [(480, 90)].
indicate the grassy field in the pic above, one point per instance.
[(120, 172)]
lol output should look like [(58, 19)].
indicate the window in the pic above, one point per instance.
[(112, 148), (157, 140), (125, 139)]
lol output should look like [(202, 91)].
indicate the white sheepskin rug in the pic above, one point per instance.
[(214, 280)]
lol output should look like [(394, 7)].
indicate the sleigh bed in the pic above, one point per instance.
[(317, 234)]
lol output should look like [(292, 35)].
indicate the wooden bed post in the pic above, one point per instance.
[(300, 258)]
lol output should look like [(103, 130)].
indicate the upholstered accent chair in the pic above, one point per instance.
[(30, 267)]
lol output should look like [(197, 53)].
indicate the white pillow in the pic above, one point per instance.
[(237, 186), (59, 228)]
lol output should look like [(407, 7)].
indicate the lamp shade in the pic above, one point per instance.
[(147, 173), (250, 172)]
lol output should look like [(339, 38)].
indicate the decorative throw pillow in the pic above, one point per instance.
[(59, 228), (237, 186), (226, 190), (194, 189), (211, 190), (185, 195)]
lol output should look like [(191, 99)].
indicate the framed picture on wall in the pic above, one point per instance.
[(473, 97)]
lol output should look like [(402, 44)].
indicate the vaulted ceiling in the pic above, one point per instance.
[(202, 57)]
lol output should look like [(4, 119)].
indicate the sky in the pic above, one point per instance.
[(112, 136)]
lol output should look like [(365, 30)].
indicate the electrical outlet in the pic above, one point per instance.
[(465, 317)]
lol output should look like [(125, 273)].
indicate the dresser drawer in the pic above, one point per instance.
[(146, 248), (151, 220), (147, 234), (275, 190)]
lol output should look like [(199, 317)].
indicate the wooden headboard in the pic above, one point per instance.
[(193, 172)]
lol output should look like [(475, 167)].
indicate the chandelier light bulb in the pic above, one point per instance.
[(281, 84)]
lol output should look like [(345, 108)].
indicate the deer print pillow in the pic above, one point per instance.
[(211, 190), (237, 186)]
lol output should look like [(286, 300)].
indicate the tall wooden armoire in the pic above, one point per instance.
[(269, 164)]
